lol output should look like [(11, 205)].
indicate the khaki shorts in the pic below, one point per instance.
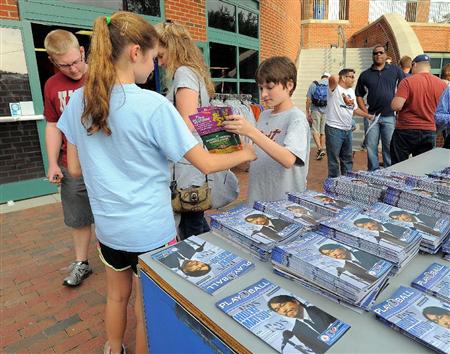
[(318, 125)]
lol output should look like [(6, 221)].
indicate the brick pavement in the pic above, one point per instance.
[(38, 314)]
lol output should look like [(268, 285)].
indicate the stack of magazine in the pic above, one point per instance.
[(419, 200), (289, 211), (203, 264), (342, 273), (429, 184), (373, 235), (419, 316), (321, 203), (443, 174), (379, 178), (208, 123), (356, 190), (284, 321), (435, 280), (254, 231), (446, 248), (433, 230)]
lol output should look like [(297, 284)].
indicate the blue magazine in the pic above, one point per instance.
[(419, 316), (286, 322), (435, 280), (290, 211), (201, 263), (322, 203), (259, 227)]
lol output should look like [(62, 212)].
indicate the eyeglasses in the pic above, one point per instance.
[(378, 53), (350, 76), (68, 66)]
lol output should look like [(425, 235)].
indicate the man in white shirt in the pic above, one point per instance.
[(341, 105)]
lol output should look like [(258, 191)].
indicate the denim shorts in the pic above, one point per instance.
[(121, 260), (75, 202)]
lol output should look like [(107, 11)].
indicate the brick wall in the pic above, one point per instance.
[(9, 10), (14, 88), (190, 13), (20, 152), (377, 33), (432, 37), (280, 23)]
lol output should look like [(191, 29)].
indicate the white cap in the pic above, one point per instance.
[(326, 74)]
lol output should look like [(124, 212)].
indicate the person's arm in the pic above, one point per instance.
[(186, 102), (73, 162), (308, 110), (239, 125), (361, 104), (397, 103), (361, 113), (442, 115), (208, 163), (333, 82), (53, 141)]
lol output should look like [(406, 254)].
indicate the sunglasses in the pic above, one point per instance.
[(350, 76), (378, 53)]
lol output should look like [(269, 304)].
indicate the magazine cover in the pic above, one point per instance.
[(435, 280), (209, 125), (290, 211), (419, 316), (284, 321), (343, 264), (258, 226), (359, 226), (320, 202), (206, 266)]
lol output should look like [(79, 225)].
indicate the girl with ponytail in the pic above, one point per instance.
[(120, 137)]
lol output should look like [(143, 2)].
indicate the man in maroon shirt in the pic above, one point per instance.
[(66, 54), (416, 101)]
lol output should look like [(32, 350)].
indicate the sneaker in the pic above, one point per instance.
[(107, 349), (322, 153), (78, 272)]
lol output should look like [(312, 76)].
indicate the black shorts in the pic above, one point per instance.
[(120, 260)]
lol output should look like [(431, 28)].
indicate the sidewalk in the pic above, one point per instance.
[(38, 314)]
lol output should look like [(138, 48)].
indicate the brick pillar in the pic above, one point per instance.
[(189, 13), (9, 10)]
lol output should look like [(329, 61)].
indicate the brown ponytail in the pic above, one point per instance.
[(107, 44)]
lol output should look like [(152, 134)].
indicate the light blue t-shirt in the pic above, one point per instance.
[(126, 173)]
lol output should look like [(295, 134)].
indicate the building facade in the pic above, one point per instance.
[(234, 36)]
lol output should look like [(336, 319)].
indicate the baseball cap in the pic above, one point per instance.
[(421, 57), (326, 74)]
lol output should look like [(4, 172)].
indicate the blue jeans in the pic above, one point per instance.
[(384, 128), (339, 151)]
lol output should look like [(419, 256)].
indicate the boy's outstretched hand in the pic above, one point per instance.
[(239, 125)]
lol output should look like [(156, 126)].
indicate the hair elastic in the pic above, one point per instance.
[(108, 20)]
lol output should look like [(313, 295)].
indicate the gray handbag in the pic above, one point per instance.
[(224, 188)]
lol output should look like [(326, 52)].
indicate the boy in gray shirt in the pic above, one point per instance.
[(282, 134)]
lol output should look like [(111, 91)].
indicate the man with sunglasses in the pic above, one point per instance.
[(379, 82), (67, 55)]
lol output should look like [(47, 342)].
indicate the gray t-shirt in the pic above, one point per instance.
[(187, 175), (310, 93), (269, 180)]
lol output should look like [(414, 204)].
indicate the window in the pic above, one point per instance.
[(233, 33), (438, 61), (144, 7)]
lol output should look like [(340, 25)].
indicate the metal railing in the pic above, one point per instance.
[(324, 10), (412, 10)]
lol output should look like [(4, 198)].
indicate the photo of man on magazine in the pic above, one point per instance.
[(438, 315), (384, 231), (302, 213), (357, 263), (310, 323), (270, 226), (421, 222)]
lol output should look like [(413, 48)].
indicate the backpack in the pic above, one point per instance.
[(319, 97)]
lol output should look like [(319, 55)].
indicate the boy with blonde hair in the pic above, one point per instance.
[(68, 56), (282, 134)]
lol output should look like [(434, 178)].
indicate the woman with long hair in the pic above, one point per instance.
[(190, 87)]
